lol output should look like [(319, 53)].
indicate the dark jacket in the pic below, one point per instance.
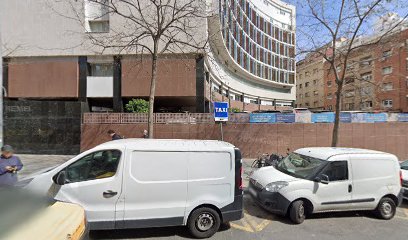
[(116, 137), (8, 178)]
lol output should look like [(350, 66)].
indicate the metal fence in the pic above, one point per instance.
[(159, 118), (197, 118)]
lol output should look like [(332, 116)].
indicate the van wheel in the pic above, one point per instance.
[(204, 222), (297, 212), (386, 209)]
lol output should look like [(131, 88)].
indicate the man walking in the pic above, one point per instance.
[(9, 166), (113, 135)]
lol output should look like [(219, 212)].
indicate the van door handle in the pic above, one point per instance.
[(109, 194), (350, 188)]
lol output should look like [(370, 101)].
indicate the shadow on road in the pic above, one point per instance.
[(257, 211), (146, 233)]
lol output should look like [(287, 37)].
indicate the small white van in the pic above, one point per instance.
[(312, 180), (140, 183)]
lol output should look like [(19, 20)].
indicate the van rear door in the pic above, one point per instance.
[(374, 176)]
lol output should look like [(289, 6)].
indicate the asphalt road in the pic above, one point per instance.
[(258, 224)]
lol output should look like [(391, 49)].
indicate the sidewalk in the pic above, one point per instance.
[(34, 163)]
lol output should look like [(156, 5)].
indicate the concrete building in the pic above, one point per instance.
[(250, 60), (377, 75), (310, 83)]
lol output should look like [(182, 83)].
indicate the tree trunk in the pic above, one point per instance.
[(151, 96), (335, 134)]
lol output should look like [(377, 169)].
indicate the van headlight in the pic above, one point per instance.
[(275, 186)]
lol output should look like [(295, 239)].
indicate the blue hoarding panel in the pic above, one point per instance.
[(345, 117), (221, 111), (358, 117), (262, 118), (375, 117), (285, 117), (403, 117), (323, 117)]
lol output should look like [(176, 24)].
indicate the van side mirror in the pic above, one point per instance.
[(60, 178), (322, 178)]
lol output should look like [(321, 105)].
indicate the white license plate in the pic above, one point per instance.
[(253, 192)]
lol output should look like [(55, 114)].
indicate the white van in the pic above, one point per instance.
[(140, 183), (312, 180)]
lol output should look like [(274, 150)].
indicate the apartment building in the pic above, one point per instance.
[(376, 78), (376, 75), (310, 83)]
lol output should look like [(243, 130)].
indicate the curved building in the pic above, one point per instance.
[(252, 57)]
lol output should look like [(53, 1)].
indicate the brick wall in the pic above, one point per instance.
[(254, 139)]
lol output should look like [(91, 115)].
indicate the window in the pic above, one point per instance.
[(350, 66), (387, 86), (387, 54), (307, 74), (300, 85), (349, 80), (100, 69), (315, 71), (366, 90), (98, 165), (366, 104), (329, 96), (387, 70), (329, 83), (365, 62), (387, 103), (349, 106), (307, 104), (306, 84), (336, 171), (96, 16), (315, 93), (98, 26), (330, 107), (307, 94), (314, 82), (300, 96), (367, 76), (349, 93)]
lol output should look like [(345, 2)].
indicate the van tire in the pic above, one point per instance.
[(386, 208), (297, 212), (206, 215)]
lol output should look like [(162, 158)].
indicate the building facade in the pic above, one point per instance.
[(310, 83), (250, 60), (376, 78), (254, 50)]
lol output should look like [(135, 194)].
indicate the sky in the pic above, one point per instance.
[(309, 33)]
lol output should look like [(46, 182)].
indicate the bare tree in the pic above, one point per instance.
[(152, 27), (343, 22)]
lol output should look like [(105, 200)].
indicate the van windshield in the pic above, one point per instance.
[(300, 166), (404, 165)]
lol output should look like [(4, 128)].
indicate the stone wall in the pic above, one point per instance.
[(43, 127), (254, 139)]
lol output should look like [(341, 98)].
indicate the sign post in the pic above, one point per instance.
[(221, 114)]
